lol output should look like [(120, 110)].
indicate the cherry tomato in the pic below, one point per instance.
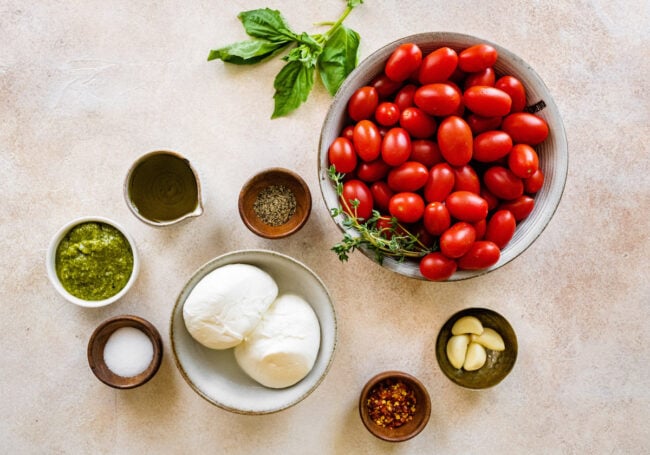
[(419, 231), (485, 77), (373, 170), (342, 155), (357, 190), (425, 152), (466, 206), (503, 183), (403, 62), (491, 145), (477, 58), (404, 98), (407, 207), (466, 179), (417, 123), (480, 227), (534, 183), (523, 161), (436, 218), (396, 146), (363, 103), (409, 176), (387, 114), (367, 140), (481, 255), (438, 99), (385, 86), (438, 66), (491, 199), (385, 227), (458, 76), (381, 194), (479, 124), (501, 228), (513, 87), (437, 267), (525, 128), (520, 207), (487, 101), (455, 140), (457, 240), (348, 132), (440, 183)]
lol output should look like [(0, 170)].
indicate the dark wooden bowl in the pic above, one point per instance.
[(498, 363), (96, 351), (266, 178), (409, 429)]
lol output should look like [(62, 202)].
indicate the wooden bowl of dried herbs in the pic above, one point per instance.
[(275, 203)]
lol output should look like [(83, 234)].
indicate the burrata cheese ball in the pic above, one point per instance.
[(227, 304), (282, 349)]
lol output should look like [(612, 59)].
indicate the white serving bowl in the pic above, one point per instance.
[(50, 262), (553, 151), (215, 375)]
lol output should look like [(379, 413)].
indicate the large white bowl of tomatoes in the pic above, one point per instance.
[(442, 157)]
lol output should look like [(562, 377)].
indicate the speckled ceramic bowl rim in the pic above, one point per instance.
[(50, 261), (218, 262), (161, 224), (542, 218)]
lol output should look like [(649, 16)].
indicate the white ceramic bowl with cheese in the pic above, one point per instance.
[(215, 374)]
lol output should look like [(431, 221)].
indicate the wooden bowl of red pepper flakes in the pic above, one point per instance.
[(394, 406)]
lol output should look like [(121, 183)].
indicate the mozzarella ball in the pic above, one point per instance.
[(283, 348), (227, 304)]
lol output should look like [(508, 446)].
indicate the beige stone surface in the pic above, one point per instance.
[(87, 87)]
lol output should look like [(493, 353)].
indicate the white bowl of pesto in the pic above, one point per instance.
[(92, 261)]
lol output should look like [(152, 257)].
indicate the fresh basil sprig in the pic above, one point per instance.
[(334, 54)]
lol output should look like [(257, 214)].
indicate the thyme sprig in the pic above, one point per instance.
[(394, 241)]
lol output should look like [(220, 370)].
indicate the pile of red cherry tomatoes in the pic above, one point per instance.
[(444, 145)]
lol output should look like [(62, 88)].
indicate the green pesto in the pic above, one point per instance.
[(94, 261)]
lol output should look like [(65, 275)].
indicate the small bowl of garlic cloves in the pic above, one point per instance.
[(476, 348)]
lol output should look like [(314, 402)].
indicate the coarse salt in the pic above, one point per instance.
[(128, 352)]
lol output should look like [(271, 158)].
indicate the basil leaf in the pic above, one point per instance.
[(302, 54), (353, 3), (306, 52), (267, 24), (310, 42), (292, 86), (339, 58), (246, 52)]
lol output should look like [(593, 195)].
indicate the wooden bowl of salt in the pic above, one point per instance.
[(275, 203), (125, 351)]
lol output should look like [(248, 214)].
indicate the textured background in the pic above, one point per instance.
[(87, 87)]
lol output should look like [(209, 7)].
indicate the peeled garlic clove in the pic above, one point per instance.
[(475, 357), (490, 339), (467, 324), (457, 349)]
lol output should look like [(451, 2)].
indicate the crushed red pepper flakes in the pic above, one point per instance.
[(391, 403)]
